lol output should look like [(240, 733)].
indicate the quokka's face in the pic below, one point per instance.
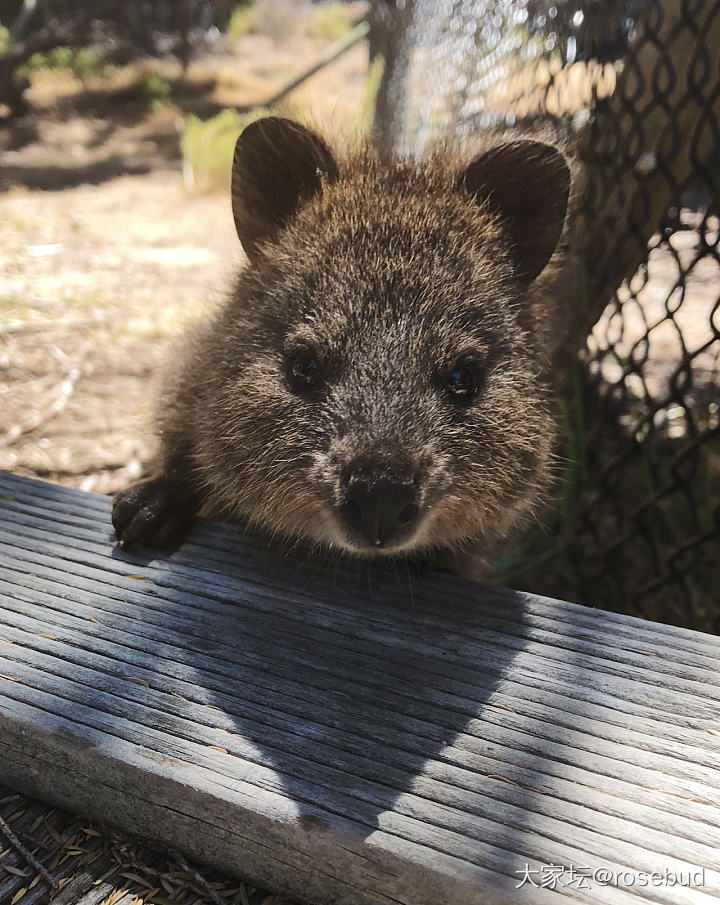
[(388, 398)]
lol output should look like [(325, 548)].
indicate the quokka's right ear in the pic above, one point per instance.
[(528, 183), (278, 165)]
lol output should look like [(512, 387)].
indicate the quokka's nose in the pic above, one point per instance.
[(379, 512)]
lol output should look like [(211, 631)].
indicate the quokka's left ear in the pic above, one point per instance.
[(528, 182), (278, 165)]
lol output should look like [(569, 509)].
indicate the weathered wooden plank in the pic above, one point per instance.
[(217, 542), (348, 739), (87, 559), (461, 700)]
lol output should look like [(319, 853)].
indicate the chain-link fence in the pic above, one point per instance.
[(632, 89)]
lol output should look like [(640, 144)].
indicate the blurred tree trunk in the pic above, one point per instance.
[(22, 19), (390, 50), (185, 30)]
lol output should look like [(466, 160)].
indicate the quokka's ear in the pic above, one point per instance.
[(278, 164), (528, 182)]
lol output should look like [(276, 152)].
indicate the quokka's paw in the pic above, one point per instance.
[(158, 512)]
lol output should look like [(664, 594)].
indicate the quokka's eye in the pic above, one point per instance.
[(303, 369), (463, 379)]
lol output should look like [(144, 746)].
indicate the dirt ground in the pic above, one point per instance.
[(106, 254)]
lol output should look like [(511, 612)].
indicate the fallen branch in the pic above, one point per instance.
[(200, 882), (26, 854), (361, 30)]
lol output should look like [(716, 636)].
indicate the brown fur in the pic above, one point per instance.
[(390, 271)]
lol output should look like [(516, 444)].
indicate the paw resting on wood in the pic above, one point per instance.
[(158, 512)]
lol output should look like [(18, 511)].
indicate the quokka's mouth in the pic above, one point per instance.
[(409, 539)]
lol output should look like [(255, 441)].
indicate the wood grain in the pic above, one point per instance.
[(352, 736)]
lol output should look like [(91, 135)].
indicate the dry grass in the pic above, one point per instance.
[(88, 862), (95, 290)]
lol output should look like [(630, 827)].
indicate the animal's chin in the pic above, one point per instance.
[(338, 537), (365, 549), (323, 526), (333, 537)]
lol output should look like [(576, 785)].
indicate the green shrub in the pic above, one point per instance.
[(157, 90), (87, 62), (57, 58), (330, 22), (242, 22), (83, 62), (207, 148)]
